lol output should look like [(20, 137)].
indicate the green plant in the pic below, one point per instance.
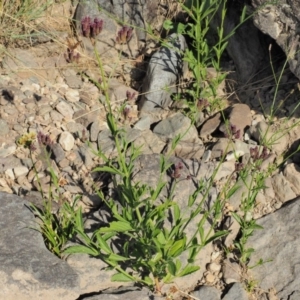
[(56, 227), (203, 53), (148, 250)]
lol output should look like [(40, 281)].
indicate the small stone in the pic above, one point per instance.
[(206, 156), (44, 109), (237, 292), (231, 271), (8, 150), (56, 116), (66, 140), (282, 188), (207, 293), (72, 95), (210, 278), (94, 131), (177, 124), (144, 123), (65, 109), (10, 174), (86, 98), (74, 81), (187, 150), (214, 267), (4, 129), (19, 171), (58, 152), (210, 125), (291, 173)]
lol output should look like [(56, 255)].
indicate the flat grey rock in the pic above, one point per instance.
[(207, 293), (236, 292), (164, 70), (27, 269), (278, 242)]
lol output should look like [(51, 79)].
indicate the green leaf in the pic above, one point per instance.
[(108, 169), (168, 25), (117, 226), (176, 211), (177, 248), (188, 270), (148, 281), (242, 18), (122, 277), (116, 257), (81, 249), (102, 243), (216, 236), (171, 267)]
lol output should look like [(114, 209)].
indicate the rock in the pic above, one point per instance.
[(87, 156), (291, 173), (95, 128), (72, 95), (7, 149), (248, 47), (143, 123), (266, 135), (282, 188), (128, 293), (231, 271), (58, 152), (186, 150), (4, 128), (25, 261), (20, 171), (210, 125), (276, 245), (137, 15), (73, 81), (233, 149), (242, 192), (175, 125), (76, 129), (240, 117), (236, 292), (66, 141), (279, 20), (164, 70), (207, 293), (226, 169), (65, 109), (149, 142), (9, 162), (233, 227)]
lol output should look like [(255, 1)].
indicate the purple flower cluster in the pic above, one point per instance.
[(44, 139), (176, 172), (202, 104), (91, 28), (233, 132), (130, 96), (71, 56), (254, 153), (124, 35)]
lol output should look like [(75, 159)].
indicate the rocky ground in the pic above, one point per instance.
[(42, 90)]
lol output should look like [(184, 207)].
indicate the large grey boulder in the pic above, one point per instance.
[(164, 70), (278, 246), (27, 269), (280, 20), (115, 14)]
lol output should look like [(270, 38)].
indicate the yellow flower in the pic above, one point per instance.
[(27, 139)]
